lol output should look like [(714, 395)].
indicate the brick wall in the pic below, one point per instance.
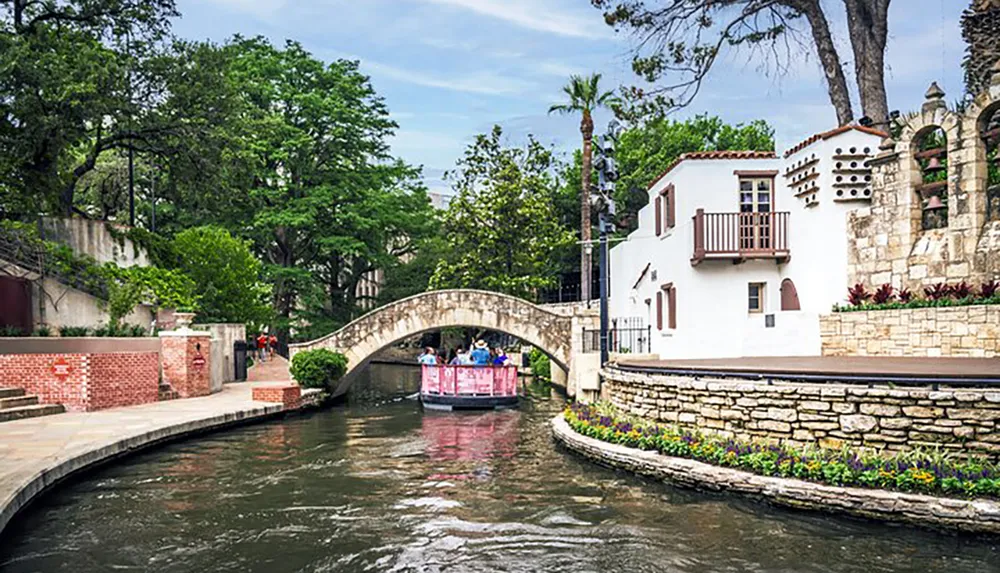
[(829, 415), (964, 331), (288, 395), (95, 381), (186, 361)]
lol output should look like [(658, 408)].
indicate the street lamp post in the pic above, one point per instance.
[(607, 174)]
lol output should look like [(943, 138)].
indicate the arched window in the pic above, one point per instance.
[(789, 296), (931, 153), (989, 130)]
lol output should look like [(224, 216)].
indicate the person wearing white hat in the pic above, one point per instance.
[(480, 354)]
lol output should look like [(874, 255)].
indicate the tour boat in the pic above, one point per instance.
[(468, 387)]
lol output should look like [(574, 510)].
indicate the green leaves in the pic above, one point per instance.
[(318, 368), (501, 228), (225, 274)]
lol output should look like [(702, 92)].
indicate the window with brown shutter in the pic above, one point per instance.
[(671, 294), (659, 310), (658, 204), (672, 307), (671, 207)]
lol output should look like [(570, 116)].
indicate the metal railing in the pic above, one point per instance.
[(740, 235), (625, 336), (468, 380)]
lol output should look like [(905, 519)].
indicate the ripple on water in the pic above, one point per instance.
[(394, 489)]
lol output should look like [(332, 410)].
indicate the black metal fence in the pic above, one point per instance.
[(625, 336)]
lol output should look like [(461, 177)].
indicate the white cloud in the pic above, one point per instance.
[(259, 8), (479, 82), (538, 16)]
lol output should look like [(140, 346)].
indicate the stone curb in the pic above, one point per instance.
[(56, 469), (974, 516)]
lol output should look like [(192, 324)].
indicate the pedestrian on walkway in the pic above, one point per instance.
[(262, 346), (272, 345)]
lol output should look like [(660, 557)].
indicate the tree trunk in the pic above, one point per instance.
[(587, 129), (836, 83), (867, 23)]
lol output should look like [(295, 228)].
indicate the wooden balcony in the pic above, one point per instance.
[(738, 237)]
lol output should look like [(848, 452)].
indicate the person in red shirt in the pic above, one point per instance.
[(262, 346), (272, 344)]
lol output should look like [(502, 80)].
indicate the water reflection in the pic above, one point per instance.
[(391, 488)]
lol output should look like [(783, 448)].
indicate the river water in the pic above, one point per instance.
[(384, 486)]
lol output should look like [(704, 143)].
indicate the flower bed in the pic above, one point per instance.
[(918, 472), (887, 297)]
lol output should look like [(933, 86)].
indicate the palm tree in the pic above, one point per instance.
[(585, 97)]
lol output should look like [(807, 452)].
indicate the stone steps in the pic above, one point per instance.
[(22, 412), (167, 393), (17, 402), (11, 392)]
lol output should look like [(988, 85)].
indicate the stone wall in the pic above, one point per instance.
[(886, 241), (828, 415), (978, 515), (961, 331)]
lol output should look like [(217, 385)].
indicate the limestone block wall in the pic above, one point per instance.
[(829, 415), (886, 242), (962, 331)]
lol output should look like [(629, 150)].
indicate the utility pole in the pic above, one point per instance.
[(607, 174)]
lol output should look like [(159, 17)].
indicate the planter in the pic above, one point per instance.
[(183, 320)]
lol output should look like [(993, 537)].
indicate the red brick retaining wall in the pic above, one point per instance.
[(288, 395), (92, 381)]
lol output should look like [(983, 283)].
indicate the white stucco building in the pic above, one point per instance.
[(738, 252)]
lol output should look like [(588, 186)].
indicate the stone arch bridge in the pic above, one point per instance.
[(556, 330)]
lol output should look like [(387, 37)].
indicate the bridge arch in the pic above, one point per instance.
[(360, 340)]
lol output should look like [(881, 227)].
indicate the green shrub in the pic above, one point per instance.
[(12, 331), (541, 366), (318, 368), (43, 331), (73, 331)]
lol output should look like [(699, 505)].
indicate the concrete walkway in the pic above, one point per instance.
[(37, 453)]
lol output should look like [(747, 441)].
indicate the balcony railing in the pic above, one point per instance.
[(740, 236)]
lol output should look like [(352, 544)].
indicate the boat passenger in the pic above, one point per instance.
[(501, 358), (428, 358), (480, 354)]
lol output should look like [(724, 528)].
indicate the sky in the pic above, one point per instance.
[(450, 69)]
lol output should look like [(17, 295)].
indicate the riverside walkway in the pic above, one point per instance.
[(39, 452)]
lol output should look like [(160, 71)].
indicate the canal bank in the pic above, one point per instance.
[(385, 486), (972, 516), (36, 454)]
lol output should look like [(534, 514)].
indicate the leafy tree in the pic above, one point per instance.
[(584, 97), (643, 153), (686, 37), (329, 204), (78, 81), (225, 273), (501, 227)]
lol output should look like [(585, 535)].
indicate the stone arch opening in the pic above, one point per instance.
[(930, 152), (365, 337), (988, 129)]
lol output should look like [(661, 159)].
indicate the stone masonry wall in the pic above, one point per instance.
[(962, 331), (829, 415)]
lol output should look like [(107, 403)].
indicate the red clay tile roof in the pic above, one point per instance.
[(712, 155), (832, 133)]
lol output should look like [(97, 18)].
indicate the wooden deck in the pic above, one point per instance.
[(862, 368)]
